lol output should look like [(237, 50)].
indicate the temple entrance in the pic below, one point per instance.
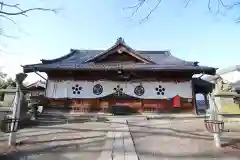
[(121, 103)]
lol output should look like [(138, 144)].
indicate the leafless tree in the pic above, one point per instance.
[(221, 4), (8, 11)]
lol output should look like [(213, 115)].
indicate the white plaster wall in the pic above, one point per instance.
[(63, 89)]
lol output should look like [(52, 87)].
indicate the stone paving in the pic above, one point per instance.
[(121, 146), (61, 142), (97, 141), (124, 138), (179, 139)]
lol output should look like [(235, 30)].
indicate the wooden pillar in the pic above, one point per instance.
[(98, 105), (194, 110), (141, 107)]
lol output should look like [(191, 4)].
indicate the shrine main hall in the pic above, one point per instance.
[(146, 81)]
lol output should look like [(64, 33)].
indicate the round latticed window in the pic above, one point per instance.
[(98, 89), (139, 90)]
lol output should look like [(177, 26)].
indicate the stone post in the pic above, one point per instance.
[(18, 102), (214, 112)]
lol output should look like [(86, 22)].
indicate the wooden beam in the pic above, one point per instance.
[(201, 76), (38, 74)]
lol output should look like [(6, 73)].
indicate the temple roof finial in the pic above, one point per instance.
[(120, 40)]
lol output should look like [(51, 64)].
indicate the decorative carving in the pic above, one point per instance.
[(97, 89), (118, 90), (120, 40), (139, 90), (160, 90), (76, 89)]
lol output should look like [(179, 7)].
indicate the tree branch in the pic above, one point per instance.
[(151, 11), (8, 19), (22, 12), (220, 4), (8, 36), (25, 11), (187, 3), (136, 7), (209, 5), (139, 5), (5, 13)]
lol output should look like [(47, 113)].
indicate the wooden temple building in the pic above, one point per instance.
[(36, 89), (94, 80)]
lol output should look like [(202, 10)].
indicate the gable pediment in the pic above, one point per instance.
[(120, 52), (119, 57)]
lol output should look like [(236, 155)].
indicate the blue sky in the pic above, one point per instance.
[(191, 33)]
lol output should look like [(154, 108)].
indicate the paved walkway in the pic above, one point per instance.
[(119, 145), (179, 139), (61, 142), (91, 141), (140, 139)]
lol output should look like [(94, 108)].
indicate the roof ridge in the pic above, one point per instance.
[(165, 51), (119, 41), (85, 49)]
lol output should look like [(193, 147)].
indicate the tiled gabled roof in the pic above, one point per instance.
[(37, 84), (83, 60)]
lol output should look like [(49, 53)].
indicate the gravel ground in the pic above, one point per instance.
[(180, 139), (60, 142)]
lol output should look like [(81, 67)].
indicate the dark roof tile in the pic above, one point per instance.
[(84, 59)]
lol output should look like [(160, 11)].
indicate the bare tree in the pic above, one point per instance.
[(220, 5), (6, 12)]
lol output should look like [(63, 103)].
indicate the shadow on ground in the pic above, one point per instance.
[(94, 146)]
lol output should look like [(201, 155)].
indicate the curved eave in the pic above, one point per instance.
[(194, 70), (45, 61)]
